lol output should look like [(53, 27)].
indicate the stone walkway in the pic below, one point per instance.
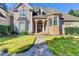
[(39, 49)]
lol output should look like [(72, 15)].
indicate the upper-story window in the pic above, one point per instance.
[(55, 20), (22, 13), (50, 22)]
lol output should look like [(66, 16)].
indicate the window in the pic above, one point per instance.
[(21, 26), (26, 26), (22, 13), (61, 22), (55, 20), (50, 22)]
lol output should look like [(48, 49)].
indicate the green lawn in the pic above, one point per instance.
[(2, 39), (16, 45), (63, 46)]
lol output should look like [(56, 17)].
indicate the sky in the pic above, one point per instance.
[(62, 7)]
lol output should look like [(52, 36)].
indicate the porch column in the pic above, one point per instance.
[(35, 26), (43, 26), (47, 26), (63, 30)]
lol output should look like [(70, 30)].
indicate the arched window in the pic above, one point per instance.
[(55, 20), (50, 22)]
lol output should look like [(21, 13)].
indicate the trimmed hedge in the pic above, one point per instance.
[(72, 30)]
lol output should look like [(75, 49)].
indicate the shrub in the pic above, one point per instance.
[(4, 50), (23, 33), (4, 30), (10, 29), (72, 30)]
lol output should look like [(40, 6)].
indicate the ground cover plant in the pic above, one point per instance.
[(17, 45), (63, 45), (2, 39)]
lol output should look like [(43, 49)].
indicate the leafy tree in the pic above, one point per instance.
[(74, 12), (71, 12)]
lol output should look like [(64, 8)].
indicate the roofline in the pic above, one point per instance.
[(55, 14), (4, 10), (19, 4), (39, 18)]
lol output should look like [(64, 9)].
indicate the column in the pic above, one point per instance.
[(47, 26), (63, 30), (43, 27), (35, 26)]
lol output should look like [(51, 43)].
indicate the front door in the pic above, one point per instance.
[(39, 27)]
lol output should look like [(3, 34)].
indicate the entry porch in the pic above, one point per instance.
[(40, 26)]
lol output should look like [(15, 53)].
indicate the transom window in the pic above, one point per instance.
[(22, 13), (55, 20), (50, 22)]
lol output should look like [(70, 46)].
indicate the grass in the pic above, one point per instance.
[(63, 45), (2, 39), (17, 45)]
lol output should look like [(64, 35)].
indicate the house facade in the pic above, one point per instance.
[(43, 22), (38, 20)]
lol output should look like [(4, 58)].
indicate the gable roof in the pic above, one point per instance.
[(19, 4), (68, 17)]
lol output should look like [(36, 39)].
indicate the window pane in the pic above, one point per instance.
[(50, 22), (55, 20), (22, 13)]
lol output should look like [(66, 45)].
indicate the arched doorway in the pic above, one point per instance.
[(39, 26)]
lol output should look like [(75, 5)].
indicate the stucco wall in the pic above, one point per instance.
[(4, 21), (54, 30), (71, 24), (28, 16)]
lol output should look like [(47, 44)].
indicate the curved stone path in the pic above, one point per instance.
[(38, 49)]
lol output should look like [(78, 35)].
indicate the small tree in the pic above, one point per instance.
[(71, 12)]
